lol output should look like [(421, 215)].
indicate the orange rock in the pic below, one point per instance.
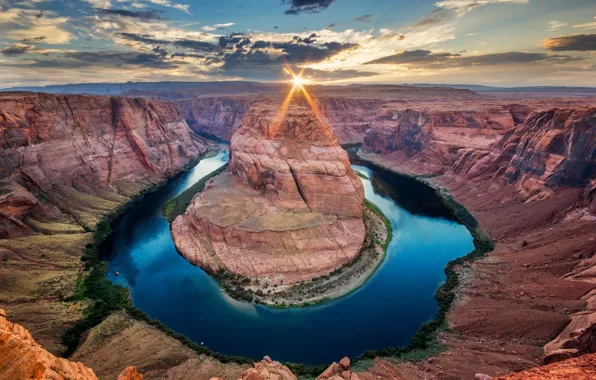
[(130, 373), (22, 358), (268, 369), (289, 209)]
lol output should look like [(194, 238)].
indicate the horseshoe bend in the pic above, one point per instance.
[(288, 209), (297, 190)]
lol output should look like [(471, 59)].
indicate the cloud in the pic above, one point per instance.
[(587, 25), (15, 50), (576, 42), (363, 18), (21, 24), (450, 10), (428, 59), (167, 3), (412, 56), (142, 15), (186, 43), (218, 26), (464, 6), (556, 25), (306, 6), (108, 59)]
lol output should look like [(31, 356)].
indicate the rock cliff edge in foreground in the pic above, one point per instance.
[(289, 209)]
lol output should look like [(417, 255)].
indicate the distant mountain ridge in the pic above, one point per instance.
[(258, 87)]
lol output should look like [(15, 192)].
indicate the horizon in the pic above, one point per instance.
[(494, 43)]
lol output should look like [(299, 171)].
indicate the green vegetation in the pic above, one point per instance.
[(178, 205), (388, 226), (361, 175)]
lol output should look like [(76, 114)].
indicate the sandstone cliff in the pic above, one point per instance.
[(22, 358), (99, 146), (66, 162), (551, 148), (217, 116), (289, 209), (347, 118)]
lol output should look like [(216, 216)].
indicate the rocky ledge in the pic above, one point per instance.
[(289, 208), (22, 358)]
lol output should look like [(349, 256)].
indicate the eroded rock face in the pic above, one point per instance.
[(217, 116), (99, 145), (347, 118), (51, 139), (296, 159), (551, 148), (405, 130), (289, 209)]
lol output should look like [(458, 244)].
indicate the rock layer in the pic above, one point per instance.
[(98, 145), (217, 116), (289, 209), (551, 148)]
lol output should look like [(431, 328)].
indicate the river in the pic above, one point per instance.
[(386, 311)]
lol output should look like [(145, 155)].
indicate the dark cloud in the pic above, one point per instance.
[(331, 26), (306, 6), (113, 58), (413, 56), (143, 38), (307, 40), (426, 58), (15, 50), (191, 55), (34, 40), (234, 41), (578, 42), (302, 53), (195, 45), (261, 45), (107, 59), (182, 43), (363, 18), (142, 15)]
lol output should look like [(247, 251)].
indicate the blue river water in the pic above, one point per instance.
[(386, 311)]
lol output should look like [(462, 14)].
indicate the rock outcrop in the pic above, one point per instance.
[(339, 371), (289, 209), (22, 358), (100, 146), (268, 369), (551, 148)]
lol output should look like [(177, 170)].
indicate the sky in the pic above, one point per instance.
[(485, 42)]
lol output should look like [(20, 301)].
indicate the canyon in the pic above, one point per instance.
[(67, 162), (524, 166)]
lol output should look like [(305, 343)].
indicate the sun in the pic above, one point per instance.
[(299, 81)]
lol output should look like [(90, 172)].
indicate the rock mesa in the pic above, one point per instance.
[(289, 208)]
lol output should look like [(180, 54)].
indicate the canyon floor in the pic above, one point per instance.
[(532, 297)]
